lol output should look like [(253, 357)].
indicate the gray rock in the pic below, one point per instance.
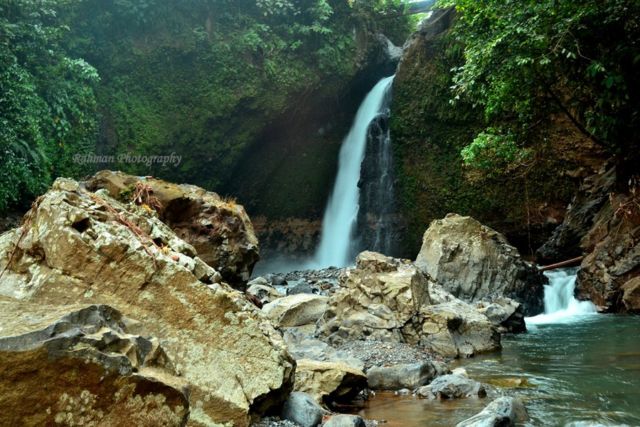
[(473, 261), (301, 287), (457, 329), (278, 281), (401, 376), (263, 292), (504, 313), (303, 410), (502, 412), (345, 421), (302, 346), (296, 310), (452, 386)]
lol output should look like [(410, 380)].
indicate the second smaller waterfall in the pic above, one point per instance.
[(560, 304)]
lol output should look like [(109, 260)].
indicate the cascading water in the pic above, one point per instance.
[(379, 225), (336, 248), (560, 305)]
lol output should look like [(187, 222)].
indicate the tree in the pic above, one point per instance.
[(524, 60), (47, 106)]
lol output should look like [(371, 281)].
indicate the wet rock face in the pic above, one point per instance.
[(218, 229), (473, 262), (592, 196), (82, 247), (94, 370), (631, 296), (612, 261)]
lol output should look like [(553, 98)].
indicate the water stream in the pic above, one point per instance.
[(572, 368), (340, 217)]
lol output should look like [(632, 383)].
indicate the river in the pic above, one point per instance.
[(575, 369)]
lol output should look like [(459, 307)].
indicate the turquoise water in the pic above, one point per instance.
[(584, 371)]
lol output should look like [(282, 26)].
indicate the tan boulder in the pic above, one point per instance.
[(329, 381), (80, 366), (454, 329), (82, 247), (376, 299), (391, 300), (219, 229), (296, 310)]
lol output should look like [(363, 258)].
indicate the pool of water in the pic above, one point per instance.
[(582, 371)]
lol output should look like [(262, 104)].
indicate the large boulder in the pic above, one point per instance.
[(79, 365), (375, 300), (76, 246), (452, 386), (454, 329), (502, 412), (329, 381), (504, 313), (296, 310), (410, 375), (473, 261), (303, 410), (218, 229)]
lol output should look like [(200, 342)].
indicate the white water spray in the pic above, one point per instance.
[(342, 210), (560, 305)]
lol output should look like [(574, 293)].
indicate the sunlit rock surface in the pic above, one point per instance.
[(81, 247)]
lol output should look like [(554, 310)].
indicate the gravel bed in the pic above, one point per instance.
[(274, 422), (380, 353)]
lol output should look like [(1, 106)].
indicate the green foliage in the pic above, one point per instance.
[(202, 78), (525, 61), (47, 106), (493, 151)]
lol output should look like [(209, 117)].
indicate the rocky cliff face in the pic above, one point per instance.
[(78, 249), (428, 134), (603, 226), (380, 226)]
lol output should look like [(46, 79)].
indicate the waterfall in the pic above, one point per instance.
[(560, 304), (336, 242), (379, 226)]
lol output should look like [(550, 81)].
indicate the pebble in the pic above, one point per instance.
[(379, 353), (274, 422)]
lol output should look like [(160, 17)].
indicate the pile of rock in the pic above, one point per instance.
[(117, 295), (391, 300)]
